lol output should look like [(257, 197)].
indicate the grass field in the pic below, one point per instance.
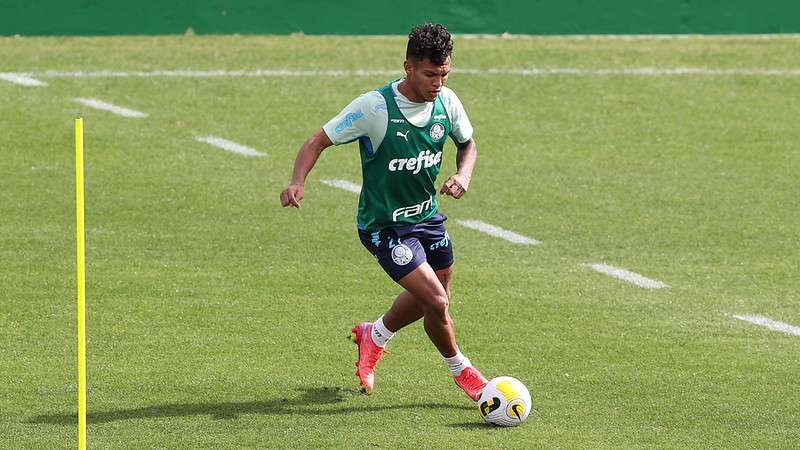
[(218, 319)]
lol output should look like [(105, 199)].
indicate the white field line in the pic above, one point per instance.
[(230, 146), (636, 37), (641, 71), (21, 79), (532, 71), (630, 277), (771, 324), (344, 184), (103, 106), (493, 230), (190, 73)]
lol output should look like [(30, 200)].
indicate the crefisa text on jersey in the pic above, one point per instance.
[(425, 160)]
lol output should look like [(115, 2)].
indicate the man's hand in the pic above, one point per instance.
[(292, 195), (306, 158), (455, 186)]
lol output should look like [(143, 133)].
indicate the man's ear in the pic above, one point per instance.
[(408, 66)]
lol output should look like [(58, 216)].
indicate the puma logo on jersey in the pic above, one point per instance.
[(424, 160), (404, 136)]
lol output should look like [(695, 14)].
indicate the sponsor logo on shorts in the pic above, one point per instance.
[(402, 254), (413, 210), (442, 243), (376, 239), (437, 132)]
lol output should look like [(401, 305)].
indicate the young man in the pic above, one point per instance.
[(401, 129)]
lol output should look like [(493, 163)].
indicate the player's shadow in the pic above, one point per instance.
[(315, 401)]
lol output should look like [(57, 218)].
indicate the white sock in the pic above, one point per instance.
[(380, 334), (457, 363)]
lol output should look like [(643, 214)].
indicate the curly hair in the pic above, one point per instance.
[(431, 41)]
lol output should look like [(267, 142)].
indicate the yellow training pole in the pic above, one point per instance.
[(81, 285)]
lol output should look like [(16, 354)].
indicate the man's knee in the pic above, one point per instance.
[(437, 304)]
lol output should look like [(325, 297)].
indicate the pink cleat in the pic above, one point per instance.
[(472, 382), (368, 356)]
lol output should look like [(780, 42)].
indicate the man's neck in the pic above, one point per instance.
[(405, 89)]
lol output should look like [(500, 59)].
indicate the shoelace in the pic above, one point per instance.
[(471, 379)]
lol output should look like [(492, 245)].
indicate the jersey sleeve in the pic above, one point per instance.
[(462, 128), (364, 116)]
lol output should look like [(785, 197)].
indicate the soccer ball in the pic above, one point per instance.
[(505, 402)]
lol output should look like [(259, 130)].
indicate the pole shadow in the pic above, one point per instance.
[(313, 401)]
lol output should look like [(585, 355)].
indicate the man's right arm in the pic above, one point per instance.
[(306, 158), (364, 116)]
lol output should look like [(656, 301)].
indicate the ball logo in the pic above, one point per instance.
[(402, 254), (437, 132), (490, 406), (516, 409)]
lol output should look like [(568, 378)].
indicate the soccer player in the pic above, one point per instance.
[(401, 129)]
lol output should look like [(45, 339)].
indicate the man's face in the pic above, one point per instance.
[(426, 78)]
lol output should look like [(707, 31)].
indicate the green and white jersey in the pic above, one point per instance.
[(401, 145)]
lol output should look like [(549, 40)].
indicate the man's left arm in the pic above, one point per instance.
[(457, 185)]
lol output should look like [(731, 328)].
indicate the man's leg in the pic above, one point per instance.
[(427, 296), (398, 259), (429, 291), (431, 297), (406, 309)]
